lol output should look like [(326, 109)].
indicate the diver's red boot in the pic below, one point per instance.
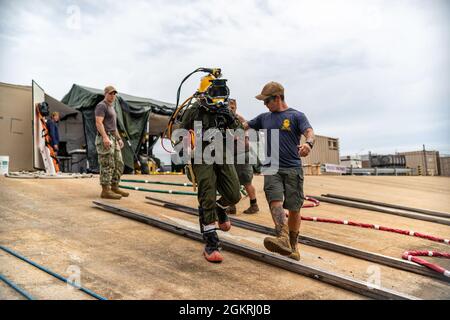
[(211, 252), (214, 257)]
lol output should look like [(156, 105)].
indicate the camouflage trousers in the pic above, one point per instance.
[(110, 160)]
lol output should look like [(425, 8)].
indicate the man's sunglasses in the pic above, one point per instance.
[(266, 101), (113, 93)]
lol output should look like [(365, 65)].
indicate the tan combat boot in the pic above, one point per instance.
[(108, 194), (115, 189), (279, 244), (293, 239), (252, 209)]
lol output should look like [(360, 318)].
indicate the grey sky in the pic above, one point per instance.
[(373, 73)]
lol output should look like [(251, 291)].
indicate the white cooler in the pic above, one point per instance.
[(4, 164)]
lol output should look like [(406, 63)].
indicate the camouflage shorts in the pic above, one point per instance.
[(110, 160), (245, 173), (287, 186)]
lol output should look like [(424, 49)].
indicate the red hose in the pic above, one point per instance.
[(413, 256), (408, 255), (315, 202)]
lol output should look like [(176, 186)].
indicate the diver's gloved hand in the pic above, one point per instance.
[(225, 119)]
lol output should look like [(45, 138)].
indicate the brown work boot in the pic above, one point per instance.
[(231, 210), (293, 239), (279, 244), (108, 194), (115, 189), (252, 209)]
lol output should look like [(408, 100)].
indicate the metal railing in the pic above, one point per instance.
[(379, 171)]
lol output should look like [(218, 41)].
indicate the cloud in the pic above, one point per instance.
[(374, 74)]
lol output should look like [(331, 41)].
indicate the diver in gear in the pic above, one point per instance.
[(211, 108)]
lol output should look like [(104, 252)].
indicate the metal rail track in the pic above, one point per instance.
[(341, 281), (412, 215), (389, 205), (318, 243)]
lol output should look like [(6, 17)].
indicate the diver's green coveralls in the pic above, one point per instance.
[(213, 178)]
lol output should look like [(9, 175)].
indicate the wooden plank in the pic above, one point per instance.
[(412, 215), (389, 205), (318, 243), (341, 281)]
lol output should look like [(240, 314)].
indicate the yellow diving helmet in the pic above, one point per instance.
[(213, 92)]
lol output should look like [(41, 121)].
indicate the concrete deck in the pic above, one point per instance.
[(53, 222)]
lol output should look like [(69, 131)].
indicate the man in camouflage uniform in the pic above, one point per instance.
[(109, 144), (213, 178)]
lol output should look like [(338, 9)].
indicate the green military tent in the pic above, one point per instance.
[(135, 117)]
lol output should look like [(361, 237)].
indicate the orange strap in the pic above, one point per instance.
[(192, 134), (46, 136)]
